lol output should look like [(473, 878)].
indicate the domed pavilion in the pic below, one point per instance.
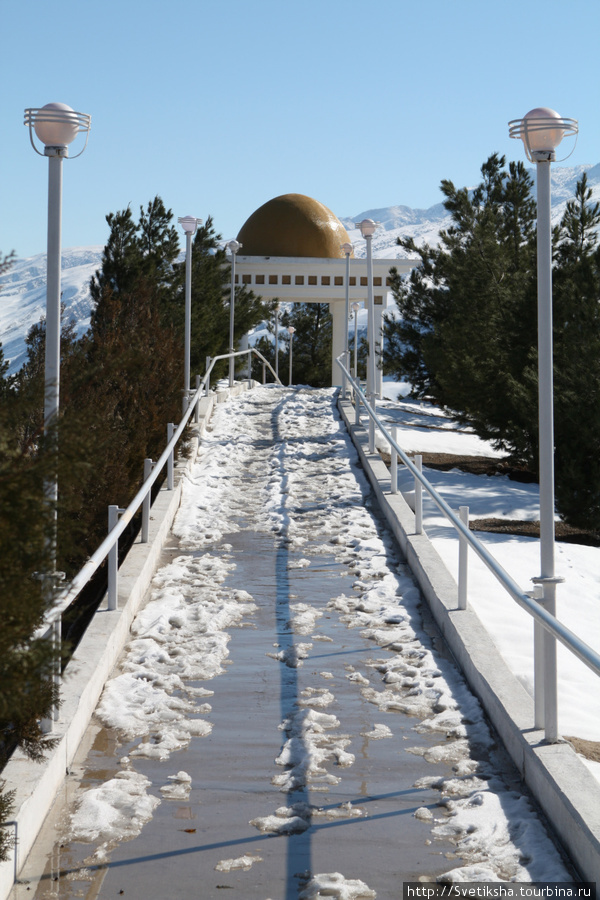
[(292, 250)]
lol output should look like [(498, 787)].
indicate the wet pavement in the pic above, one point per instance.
[(299, 740)]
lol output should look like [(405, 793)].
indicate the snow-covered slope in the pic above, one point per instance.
[(23, 296), (23, 291)]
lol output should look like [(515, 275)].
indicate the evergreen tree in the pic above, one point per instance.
[(211, 294), (6, 381), (576, 289), (311, 358), (120, 257), (26, 693), (466, 333), (135, 253)]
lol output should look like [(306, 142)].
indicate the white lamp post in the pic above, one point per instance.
[(189, 225), (346, 249), (277, 312), (291, 331), (367, 229), (541, 131), (233, 247), (356, 307), (56, 125)]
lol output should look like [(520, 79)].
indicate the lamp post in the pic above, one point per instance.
[(56, 125), (367, 229), (356, 307), (189, 225), (291, 331), (233, 247), (277, 312), (541, 131), (346, 249)]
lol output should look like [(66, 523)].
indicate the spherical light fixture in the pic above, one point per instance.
[(56, 125), (541, 130), (367, 227), (189, 224)]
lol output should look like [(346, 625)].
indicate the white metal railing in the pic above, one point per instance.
[(546, 626), (120, 518)]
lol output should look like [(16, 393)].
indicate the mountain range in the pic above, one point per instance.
[(23, 290)]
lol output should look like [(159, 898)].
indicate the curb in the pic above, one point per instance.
[(563, 786)]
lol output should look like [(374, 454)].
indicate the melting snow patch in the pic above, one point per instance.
[(309, 747), (292, 656), (242, 862), (115, 811), (378, 732), (335, 885), (280, 824), (180, 787)]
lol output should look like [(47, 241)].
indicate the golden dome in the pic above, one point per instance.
[(293, 225)]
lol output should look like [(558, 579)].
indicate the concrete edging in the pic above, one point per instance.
[(36, 785), (563, 786)]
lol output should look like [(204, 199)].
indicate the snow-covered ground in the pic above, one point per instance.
[(182, 636), (423, 428)]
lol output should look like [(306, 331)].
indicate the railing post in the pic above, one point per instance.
[(548, 655), (538, 663), (146, 502), (463, 554), (171, 459), (264, 381), (55, 638), (113, 559), (373, 401), (249, 368), (418, 497), (207, 386), (356, 408), (394, 462), (197, 410)]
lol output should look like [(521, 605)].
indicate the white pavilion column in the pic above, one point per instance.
[(338, 342)]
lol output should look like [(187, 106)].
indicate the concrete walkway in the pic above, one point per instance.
[(296, 724)]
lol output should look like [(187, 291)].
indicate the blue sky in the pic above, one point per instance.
[(220, 106)]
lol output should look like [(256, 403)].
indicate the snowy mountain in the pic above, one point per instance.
[(425, 224), (23, 297), (23, 291)]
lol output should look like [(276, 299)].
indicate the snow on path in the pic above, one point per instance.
[(181, 636)]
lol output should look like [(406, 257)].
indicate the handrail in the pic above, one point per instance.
[(68, 594), (546, 620)]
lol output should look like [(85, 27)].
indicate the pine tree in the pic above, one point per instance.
[(311, 358), (211, 294), (26, 692), (576, 289), (466, 332)]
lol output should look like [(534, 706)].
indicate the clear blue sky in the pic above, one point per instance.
[(220, 105)]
